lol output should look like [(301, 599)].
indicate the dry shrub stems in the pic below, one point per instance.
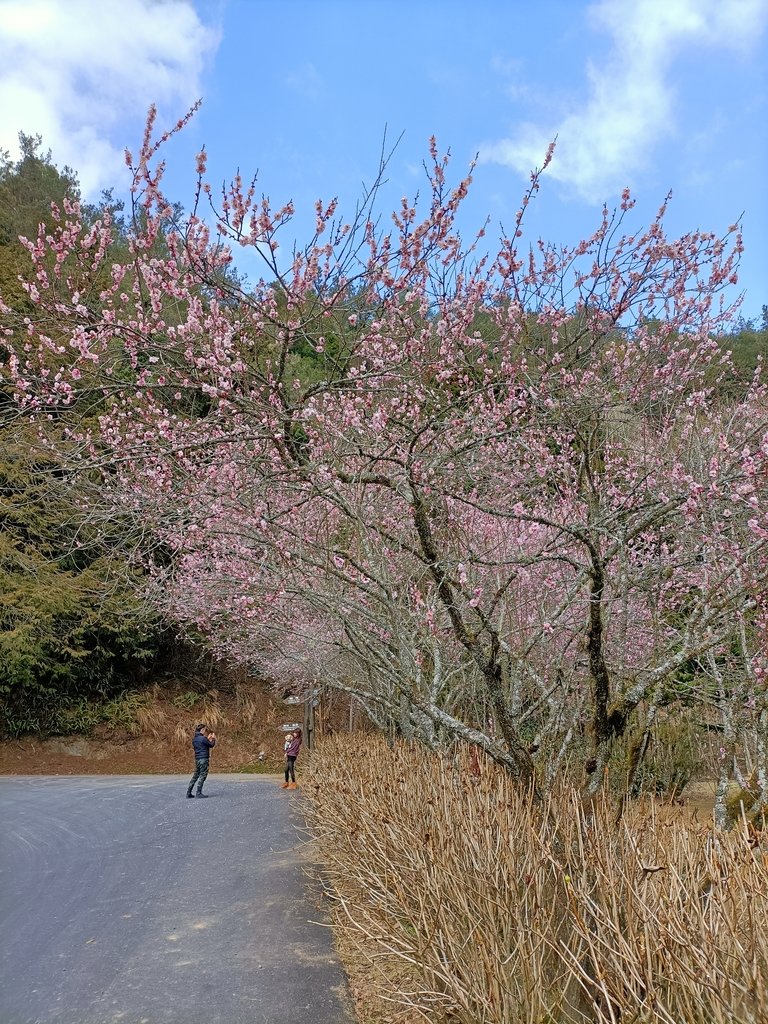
[(472, 906)]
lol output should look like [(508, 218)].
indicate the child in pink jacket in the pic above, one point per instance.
[(291, 753)]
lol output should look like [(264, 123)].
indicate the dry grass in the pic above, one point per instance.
[(247, 708), (151, 731), (150, 719), (470, 906), (211, 711), (180, 737)]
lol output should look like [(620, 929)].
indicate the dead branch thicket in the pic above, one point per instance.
[(467, 908)]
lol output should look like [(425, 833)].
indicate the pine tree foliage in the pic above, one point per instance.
[(71, 622)]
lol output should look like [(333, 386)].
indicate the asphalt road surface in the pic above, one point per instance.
[(122, 902)]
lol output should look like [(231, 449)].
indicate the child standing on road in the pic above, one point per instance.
[(291, 753)]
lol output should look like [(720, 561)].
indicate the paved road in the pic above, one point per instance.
[(122, 902)]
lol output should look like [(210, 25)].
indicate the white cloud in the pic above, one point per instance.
[(630, 103), (306, 81), (80, 72)]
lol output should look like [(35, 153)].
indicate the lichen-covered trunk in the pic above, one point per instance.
[(602, 731), (486, 653), (518, 751), (761, 765)]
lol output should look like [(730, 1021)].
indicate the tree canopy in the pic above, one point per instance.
[(508, 498)]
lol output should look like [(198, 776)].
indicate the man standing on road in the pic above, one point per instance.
[(202, 743)]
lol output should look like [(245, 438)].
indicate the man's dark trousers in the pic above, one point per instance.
[(201, 774)]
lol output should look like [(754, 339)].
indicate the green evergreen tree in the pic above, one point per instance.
[(71, 623)]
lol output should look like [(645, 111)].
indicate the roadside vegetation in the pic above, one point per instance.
[(150, 730), (457, 900)]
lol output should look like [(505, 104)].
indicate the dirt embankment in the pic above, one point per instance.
[(158, 737)]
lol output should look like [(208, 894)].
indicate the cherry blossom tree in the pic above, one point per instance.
[(497, 497)]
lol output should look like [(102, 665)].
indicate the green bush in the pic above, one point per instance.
[(59, 717), (186, 700)]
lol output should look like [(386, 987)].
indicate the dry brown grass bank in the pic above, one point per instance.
[(458, 903), (151, 731)]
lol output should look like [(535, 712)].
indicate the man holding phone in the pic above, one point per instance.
[(202, 743)]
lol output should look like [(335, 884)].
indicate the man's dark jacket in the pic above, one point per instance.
[(202, 746)]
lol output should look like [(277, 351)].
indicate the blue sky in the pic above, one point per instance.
[(653, 94)]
